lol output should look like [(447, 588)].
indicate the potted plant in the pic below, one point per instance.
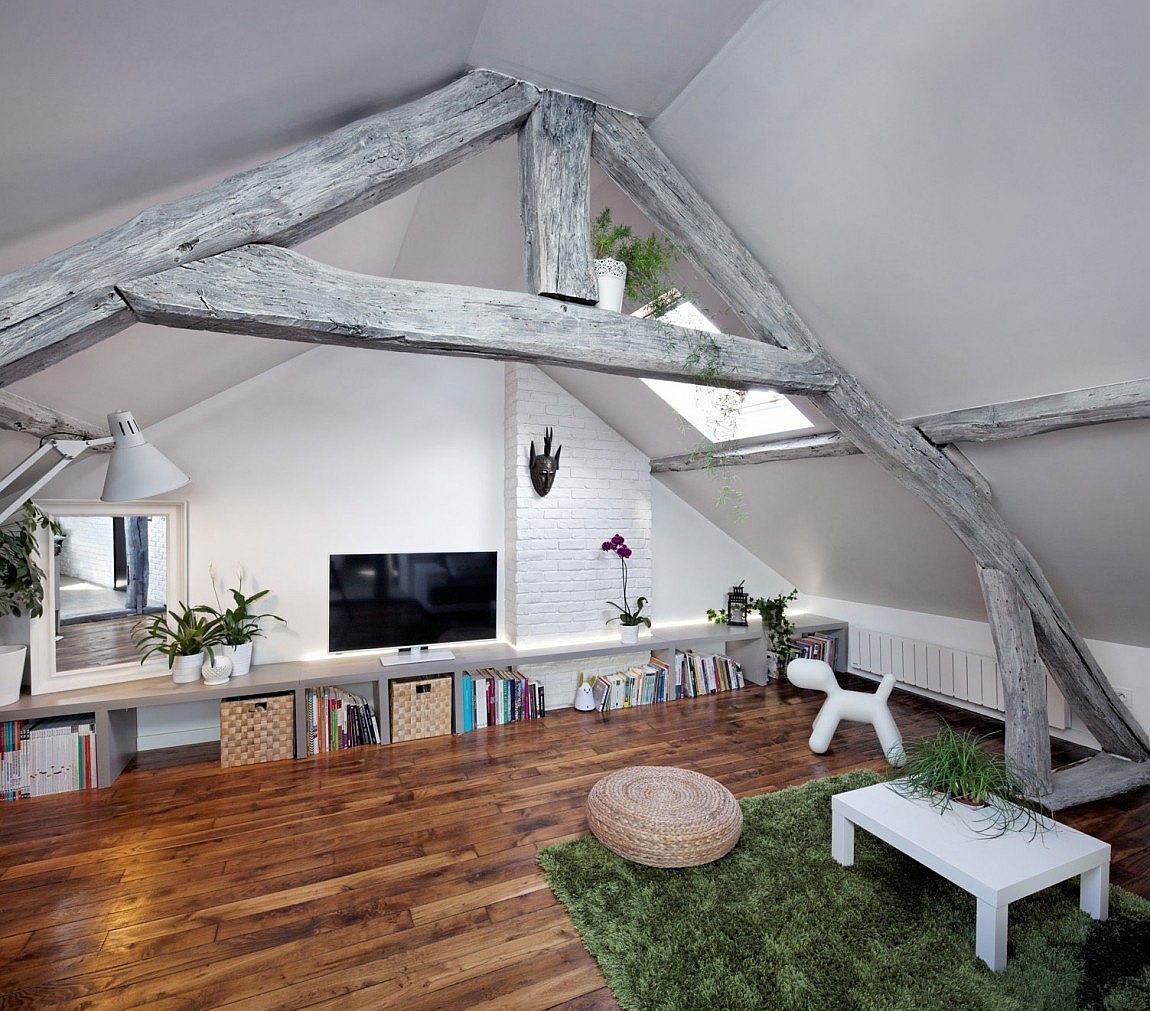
[(185, 638), (777, 627), (21, 589), (628, 620), (239, 625), (949, 768), (628, 265)]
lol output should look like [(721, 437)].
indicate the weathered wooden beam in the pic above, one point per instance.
[(555, 182), (283, 201), (1017, 418), (1023, 678), (969, 471), (807, 447), (624, 149), (266, 291), (1096, 778), (20, 415)]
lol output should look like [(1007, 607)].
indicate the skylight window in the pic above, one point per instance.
[(723, 415)]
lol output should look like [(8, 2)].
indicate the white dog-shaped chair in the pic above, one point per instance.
[(842, 704)]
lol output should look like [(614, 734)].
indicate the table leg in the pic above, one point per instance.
[(990, 935), (842, 839), (1094, 892)]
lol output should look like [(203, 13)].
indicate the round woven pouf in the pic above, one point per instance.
[(664, 817)]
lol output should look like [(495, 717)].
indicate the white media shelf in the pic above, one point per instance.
[(115, 706)]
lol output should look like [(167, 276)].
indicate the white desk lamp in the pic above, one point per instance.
[(136, 468)]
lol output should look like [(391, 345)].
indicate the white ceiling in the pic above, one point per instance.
[(952, 194)]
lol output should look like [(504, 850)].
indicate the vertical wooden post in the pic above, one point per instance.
[(555, 166), (1023, 676)]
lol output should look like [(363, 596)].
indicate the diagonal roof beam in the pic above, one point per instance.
[(628, 154), (265, 291), (806, 447), (67, 302), (20, 415)]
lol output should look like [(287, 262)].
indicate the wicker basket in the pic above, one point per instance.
[(420, 707), (257, 730)]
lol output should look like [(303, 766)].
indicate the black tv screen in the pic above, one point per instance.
[(379, 601)]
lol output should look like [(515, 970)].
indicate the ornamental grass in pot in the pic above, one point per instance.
[(950, 768), (186, 637)]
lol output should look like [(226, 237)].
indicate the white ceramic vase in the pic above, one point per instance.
[(186, 669), (11, 673), (241, 657), (611, 276), (218, 671), (629, 635)]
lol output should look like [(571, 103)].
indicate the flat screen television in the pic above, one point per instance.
[(382, 601)]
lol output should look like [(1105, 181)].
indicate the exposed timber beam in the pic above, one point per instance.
[(1023, 679), (807, 447), (1095, 779), (625, 150), (266, 291), (20, 415), (555, 182), (61, 304), (1017, 418)]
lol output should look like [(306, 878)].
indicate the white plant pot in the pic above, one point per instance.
[(11, 673), (241, 657), (629, 635), (611, 276), (186, 669), (218, 671)]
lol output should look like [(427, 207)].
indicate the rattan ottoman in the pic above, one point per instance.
[(664, 817)]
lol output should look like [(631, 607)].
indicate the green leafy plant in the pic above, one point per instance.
[(21, 578), (773, 611), (238, 623), (951, 767), (186, 632), (649, 261), (626, 616)]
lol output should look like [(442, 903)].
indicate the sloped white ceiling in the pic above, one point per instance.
[(952, 194)]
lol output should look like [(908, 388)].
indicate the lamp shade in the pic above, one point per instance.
[(136, 468)]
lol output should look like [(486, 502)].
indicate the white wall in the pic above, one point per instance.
[(335, 451), (1127, 667)]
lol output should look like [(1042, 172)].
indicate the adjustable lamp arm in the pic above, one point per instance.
[(68, 450)]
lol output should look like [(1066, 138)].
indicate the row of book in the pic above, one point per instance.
[(689, 675), (492, 697), (816, 647), (40, 757), (336, 719)]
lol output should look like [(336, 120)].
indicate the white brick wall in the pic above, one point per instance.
[(558, 578), (87, 550), (158, 560)]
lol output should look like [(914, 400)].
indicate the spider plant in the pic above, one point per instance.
[(186, 632), (951, 767)]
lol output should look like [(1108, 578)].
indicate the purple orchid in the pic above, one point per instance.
[(617, 545)]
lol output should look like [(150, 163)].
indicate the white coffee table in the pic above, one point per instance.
[(996, 870)]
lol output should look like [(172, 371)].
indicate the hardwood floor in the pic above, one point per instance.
[(396, 876), (94, 643)]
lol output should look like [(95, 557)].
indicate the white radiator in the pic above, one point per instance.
[(953, 673)]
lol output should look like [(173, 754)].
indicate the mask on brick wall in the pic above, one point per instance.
[(544, 466)]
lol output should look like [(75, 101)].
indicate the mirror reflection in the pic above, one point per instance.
[(110, 572)]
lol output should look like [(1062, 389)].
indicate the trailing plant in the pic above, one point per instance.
[(951, 767), (648, 261), (776, 624), (618, 546), (238, 624), (21, 578), (186, 632), (705, 360)]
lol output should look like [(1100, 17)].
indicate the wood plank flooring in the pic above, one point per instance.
[(96, 643), (382, 877)]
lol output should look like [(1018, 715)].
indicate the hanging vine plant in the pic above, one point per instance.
[(648, 261)]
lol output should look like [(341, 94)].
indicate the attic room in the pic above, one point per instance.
[(627, 505)]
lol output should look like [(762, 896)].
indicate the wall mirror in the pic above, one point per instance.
[(110, 568)]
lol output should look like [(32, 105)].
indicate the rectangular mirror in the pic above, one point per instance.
[(108, 570)]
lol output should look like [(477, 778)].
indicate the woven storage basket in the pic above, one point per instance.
[(664, 817), (420, 707), (257, 730)]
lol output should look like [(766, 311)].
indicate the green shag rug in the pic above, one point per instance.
[(778, 924)]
